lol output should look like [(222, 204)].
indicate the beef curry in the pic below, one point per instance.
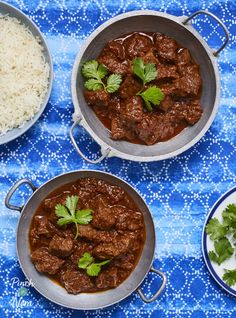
[(113, 235), (177, 76)]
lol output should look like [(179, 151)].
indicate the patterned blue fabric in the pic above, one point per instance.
[(179, 191)]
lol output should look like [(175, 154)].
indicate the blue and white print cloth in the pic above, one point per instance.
[(179, 191)]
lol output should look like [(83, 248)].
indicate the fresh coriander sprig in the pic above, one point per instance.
[(223, 251), (223, 234), (230, 277), (86, 262), (68, 214), (95, 74), (151, 95), (147, 73)]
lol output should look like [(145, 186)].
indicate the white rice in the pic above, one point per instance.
[(24, 74)]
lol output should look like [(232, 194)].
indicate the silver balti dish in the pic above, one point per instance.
[(178, 28), (55, 292)]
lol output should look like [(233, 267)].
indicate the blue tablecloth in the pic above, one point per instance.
[(179, 192)]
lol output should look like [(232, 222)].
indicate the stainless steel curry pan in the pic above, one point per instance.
[(182, 31), (56, 293)]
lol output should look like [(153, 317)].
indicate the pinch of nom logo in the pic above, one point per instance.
[(21, 288)]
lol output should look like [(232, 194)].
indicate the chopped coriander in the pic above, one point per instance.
[(68, 214)]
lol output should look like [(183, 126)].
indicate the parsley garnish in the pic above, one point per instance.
[(95, 73), (147, 73), (68, 214), (86, 262), (223, 235), (230, 277)]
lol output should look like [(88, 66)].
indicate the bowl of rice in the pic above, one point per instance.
[(26, 73)]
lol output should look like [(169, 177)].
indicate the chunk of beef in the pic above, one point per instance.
[(45, 262), (115, 248), (193, 113), (79, 250), (149, 57), (137, 45), (189, 83), (129, 87), (166, 47), (133, 110), (147, 129), (61, 247), (125, 262), (76, 281), (183, 59), (167, 72), (108, 278), (44, 227), (97, 98), (166, 104), (91, 234), (117, 49), (190, 111), (118, 129), (115, 193), (129, 220), (50, 203), (103, 216), (152, 129), (113, 64), (93, 185)]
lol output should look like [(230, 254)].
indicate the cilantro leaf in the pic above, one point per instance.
[(84, 216), (95, 268), (71, 203), (146, 72), (90, 69), (102, 71), (93, 84), (150, 72), (230, 277), (85, 260), (61, 211), (113, 83), (223, 251), (229, 216), (67, 213), (138, 68), (152, 95), (95, 72), (215, 229)]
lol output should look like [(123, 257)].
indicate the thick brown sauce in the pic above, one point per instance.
[(72, 189), (106, 115)]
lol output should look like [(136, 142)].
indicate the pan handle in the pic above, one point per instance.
[(157, 294), (217, 20), (12, 191), (104, 153)]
